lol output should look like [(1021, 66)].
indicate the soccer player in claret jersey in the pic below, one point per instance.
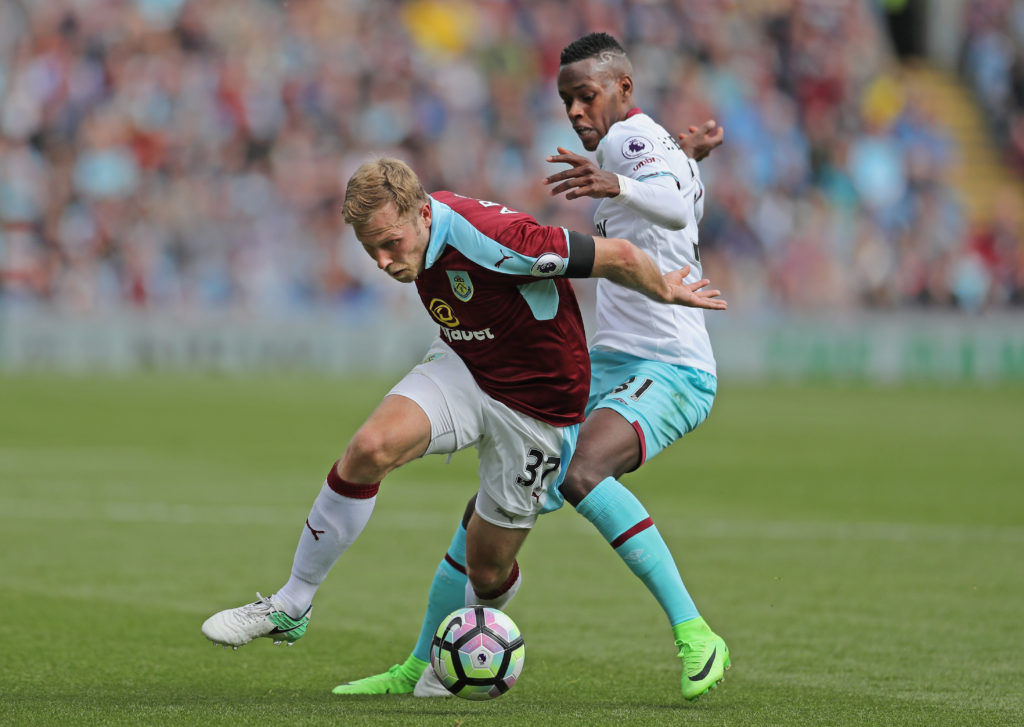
[(497, 283), (653, 371)]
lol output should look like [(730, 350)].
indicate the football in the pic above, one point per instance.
[(477, 653)]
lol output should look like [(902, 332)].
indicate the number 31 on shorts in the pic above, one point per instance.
[(644, 386)]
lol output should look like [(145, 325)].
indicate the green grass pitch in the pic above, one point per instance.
[(861, 549)]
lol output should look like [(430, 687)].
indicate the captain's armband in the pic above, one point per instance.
[(581, 255)]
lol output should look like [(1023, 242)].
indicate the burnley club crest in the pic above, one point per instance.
[(462, 286)]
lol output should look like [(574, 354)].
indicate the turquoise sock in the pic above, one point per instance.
[(625, 524), (447, 592)]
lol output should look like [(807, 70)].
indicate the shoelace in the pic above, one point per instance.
[(260, 608), (693, 656)]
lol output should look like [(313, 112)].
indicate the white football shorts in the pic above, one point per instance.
[(522, 459)]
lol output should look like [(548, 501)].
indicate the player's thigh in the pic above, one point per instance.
[(522, 463), (661, 401), (608, 446), (452, 402), (397, 432)]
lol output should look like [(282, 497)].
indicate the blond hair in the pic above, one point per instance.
[(378, 182)]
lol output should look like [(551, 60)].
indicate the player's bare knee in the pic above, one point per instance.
[(486, 578), (579, 481), (368, 453)]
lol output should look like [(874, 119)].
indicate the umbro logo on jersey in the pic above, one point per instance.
[(462, 286), (644, 162)]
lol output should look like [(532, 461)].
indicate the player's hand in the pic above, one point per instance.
[(583, 178), (699, 142), (691, 295)]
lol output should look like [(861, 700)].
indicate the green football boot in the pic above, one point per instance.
[(399, 679), (704, 655)]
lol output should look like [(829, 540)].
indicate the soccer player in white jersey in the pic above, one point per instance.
[(653, 371)]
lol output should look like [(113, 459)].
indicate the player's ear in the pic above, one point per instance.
[(626, 86), (425, 213)]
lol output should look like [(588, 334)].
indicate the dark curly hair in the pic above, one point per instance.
[(590, 46)]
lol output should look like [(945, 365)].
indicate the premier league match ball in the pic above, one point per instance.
[(477, 653)]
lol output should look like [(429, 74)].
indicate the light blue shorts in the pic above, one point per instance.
[(662, 401)]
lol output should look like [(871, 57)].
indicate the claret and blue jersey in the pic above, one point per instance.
[(495, 280)]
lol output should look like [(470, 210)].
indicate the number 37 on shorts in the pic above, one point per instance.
[(537, 468)]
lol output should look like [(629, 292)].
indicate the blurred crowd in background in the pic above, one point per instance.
[(993, 64), (189, 155)]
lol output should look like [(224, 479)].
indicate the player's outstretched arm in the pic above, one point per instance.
[(660, 202), (699, 141), (583, 178), (624, 263)]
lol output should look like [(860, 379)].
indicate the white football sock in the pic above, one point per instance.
[(334, 523), (504, 595)]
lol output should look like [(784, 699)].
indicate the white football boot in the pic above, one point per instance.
[(429, 685), (238, 626)]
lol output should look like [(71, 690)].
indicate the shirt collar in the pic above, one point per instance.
[(440, 225)]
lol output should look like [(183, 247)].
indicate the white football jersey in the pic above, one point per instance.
[(627, 321)]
